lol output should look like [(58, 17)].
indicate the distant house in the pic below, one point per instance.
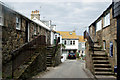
[(35, 16), (81, 45), (70, 40)]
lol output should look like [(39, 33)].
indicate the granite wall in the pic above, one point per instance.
[(107, 34)]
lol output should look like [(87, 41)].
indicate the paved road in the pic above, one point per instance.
[(68, 69)]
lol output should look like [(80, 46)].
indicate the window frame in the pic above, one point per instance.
[(65, 42), (99, 25), (71, 42), (18, 23), (35, 30), (74, 42), (105, 20)]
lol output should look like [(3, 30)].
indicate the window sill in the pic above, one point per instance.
[(105, 26)]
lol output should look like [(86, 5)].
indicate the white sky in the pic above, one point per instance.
[(68, 15)]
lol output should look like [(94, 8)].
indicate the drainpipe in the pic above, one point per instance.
[(118, 48)]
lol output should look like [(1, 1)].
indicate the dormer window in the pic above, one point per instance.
[(17, 23), (70, 33)]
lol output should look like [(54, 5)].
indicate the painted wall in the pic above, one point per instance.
[(71, 46)]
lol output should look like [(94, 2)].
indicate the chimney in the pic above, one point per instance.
[(35, 14)]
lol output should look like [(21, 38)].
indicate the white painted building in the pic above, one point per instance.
[(81, 46), (35, 16), (70, 40)]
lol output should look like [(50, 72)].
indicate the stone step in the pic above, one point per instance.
[(48, 62), (97, 46), (100, 58), (103, 69), (49, 55), (100, 61), (21, 69), (102, 65), (49, 65), (103, 73), (106, 77)]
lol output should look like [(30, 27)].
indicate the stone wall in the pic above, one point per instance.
[(38, 65), (88, 58), (0, 51), (13, 39), (58, 54), (108, 34)]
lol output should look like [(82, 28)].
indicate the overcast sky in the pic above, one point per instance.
[(67, 15)]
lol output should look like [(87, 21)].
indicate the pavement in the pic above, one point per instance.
[(68, 69)]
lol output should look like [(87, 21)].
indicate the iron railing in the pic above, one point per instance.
[(89, 39)]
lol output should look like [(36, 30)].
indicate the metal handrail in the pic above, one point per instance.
[(89, 39)]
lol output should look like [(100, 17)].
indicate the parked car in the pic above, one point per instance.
[(71, 56)]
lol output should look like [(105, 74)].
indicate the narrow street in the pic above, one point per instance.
[(68, 69)]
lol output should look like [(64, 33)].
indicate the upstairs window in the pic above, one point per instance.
[(17, 23), (99, 25), (65, 42), (70, 42), (73, 42), (107, 20)]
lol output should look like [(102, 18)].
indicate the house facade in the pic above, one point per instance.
[(81, 46), (103, 31), (70, 41), (16, 30)]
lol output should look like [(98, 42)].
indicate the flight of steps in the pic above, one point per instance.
[(101, 64), (25, 64), (49, 56)]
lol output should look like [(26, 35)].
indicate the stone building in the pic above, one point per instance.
[(16, 32), (103, 31)]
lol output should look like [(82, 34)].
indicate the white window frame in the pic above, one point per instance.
[(73, 42), (35, 30), (106, 20), (18, 21), (99, 25)]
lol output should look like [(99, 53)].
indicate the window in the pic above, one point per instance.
[(70, 42), (107, 20), (70, 33), (104, 45), (35, 30), (17, 23), (65, 42), (99, 25), (73, 42), (55, 36)]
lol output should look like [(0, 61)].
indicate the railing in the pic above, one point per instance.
[(90, 41), (25, 52)]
